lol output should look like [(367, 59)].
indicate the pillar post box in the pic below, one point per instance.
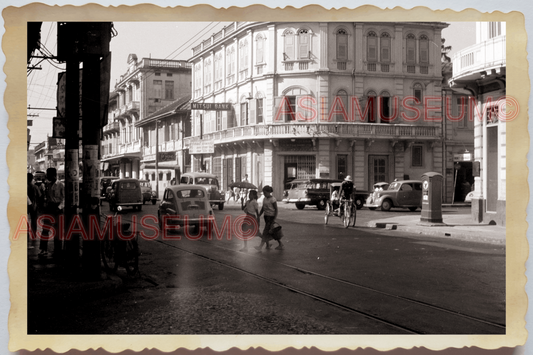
[(431, 198)]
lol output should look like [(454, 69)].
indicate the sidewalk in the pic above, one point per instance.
[(454, 226)]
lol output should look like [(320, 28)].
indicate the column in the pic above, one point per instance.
[(323, 58)]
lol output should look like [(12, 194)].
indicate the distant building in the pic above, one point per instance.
[(481, 70), (147, 86)]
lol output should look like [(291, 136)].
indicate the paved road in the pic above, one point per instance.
[(328, 280)]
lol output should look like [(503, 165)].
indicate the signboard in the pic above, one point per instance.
[(220, 106), (167, 156), (296, 145), (206, 146), (462, 157), (91, 170), (54, 143)]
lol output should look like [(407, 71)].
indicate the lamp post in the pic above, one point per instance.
[(157, 158)]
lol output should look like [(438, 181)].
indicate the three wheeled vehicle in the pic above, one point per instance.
[(343, 208)]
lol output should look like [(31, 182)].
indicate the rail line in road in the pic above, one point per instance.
[(401, 321)]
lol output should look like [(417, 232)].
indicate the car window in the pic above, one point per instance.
[(192, 193), (128, 185), (406, 187), (394, 186), (184, 180), (418, 186), (169, 196)]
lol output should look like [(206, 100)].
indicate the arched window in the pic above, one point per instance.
[(260, 49), (230, 62), (371, 103), (288, 45), (304, 44), (372, 47), (424, 50), (417, 92), (342, 44), (385, 46), (341, 99), (410, 49)]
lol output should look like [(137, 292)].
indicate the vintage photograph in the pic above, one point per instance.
[(255, 178)]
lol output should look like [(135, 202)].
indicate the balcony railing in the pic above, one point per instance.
[(133, 106), (485, 55), (111, 127), (310, 130), (131, 147)]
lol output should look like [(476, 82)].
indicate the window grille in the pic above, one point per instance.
[(341, 65), (423, 70), (305, 165), (385, 68), (371, 66), (411, 69)]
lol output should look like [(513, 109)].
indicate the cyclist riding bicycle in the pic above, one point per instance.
[(346, 192)]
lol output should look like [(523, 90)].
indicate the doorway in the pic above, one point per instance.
[(378, 166)]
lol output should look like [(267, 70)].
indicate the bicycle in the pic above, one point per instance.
[(117, 251)]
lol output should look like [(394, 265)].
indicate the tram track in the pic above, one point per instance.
[(409, 306)]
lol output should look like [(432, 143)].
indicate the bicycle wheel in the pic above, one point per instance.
[(109, 255), (346, 216), (328, 212), (353, 216), (132, 256)]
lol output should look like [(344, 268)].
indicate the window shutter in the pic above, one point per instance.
[(424, 51), (304, 46), (385, 49), (289, 46), (372, 49), (411, 51), (225, 121), (277, 117), (253, 105), (260, 46), (342, 47)]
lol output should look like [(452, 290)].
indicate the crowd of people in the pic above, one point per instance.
[(46, 197)]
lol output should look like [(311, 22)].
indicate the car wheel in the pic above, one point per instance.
[(359, 203), (321, 205), (386, 205), (372, 208), (159, 221), (300, 206), (140, 207), (153, 202), (412, 209), (112, 207), (220, 206)]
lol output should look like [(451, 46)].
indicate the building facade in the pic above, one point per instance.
[(147, 86), (481, 70), (279, 101)]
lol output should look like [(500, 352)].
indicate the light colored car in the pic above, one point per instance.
[(469, 196), (210, 182), (181, 202), (401, 194)]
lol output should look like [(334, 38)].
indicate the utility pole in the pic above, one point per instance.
[(72, 187)]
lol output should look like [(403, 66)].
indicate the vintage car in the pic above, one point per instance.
[(125, 192), (147, 192), (105, 186), (376, 189), (210, 182), (314, 192), (402, 194), (184, 203)]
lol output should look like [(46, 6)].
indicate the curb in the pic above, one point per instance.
[(440, 231)]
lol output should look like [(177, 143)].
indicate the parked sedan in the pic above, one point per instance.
[(402, 194), (184, 202)]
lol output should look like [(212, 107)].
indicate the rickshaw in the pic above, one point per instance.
[(345, 209)]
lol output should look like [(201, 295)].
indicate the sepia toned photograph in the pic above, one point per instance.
[(260, 178)]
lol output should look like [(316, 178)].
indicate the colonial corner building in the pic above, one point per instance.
[(291, 87)]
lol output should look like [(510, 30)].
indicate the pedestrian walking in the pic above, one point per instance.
[(34, 202), (270, 209), (251, 208), (54, 204)]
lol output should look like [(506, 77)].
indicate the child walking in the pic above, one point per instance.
[(270, 209), (251, 208)]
